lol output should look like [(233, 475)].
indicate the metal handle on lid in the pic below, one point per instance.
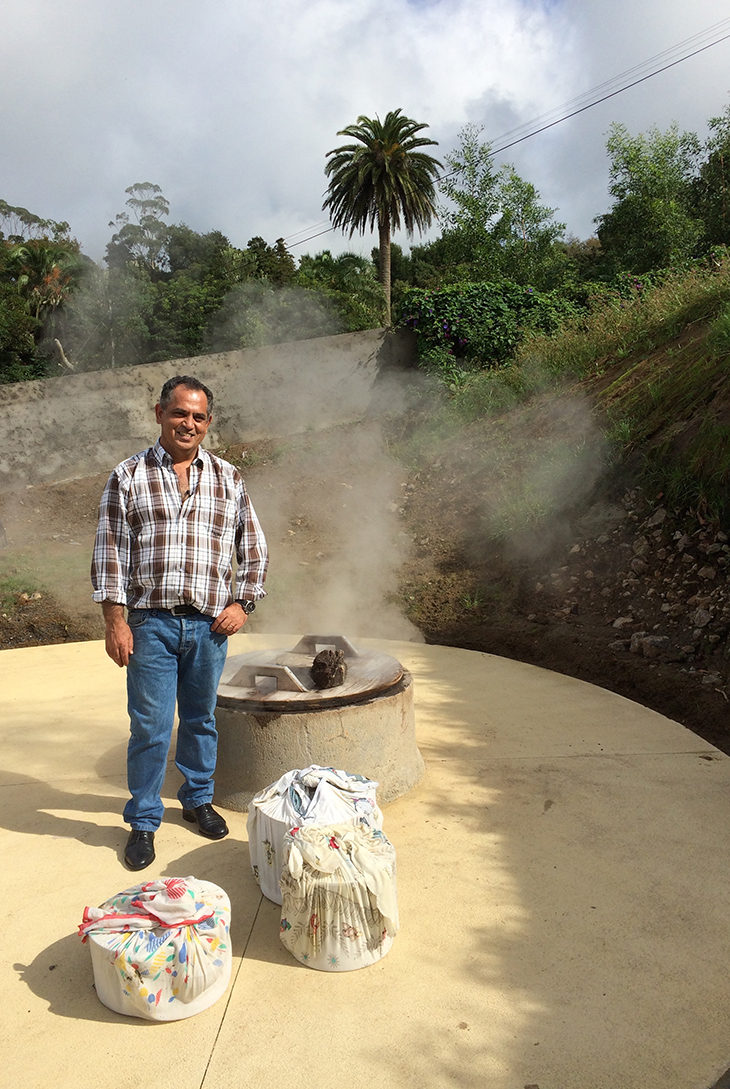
[(308, 645), (285, 679)]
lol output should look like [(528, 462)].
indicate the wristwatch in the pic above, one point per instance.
[(247, 606)]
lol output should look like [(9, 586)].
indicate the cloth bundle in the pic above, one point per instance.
[(161, 950), (339, 908), (310, 796)]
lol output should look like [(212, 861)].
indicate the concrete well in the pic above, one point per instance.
[(261, 736)]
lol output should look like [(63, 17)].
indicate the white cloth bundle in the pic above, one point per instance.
[(161, 950), (313, 795), (340, 906)]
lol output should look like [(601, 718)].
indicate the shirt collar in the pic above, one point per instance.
[(162, 457)]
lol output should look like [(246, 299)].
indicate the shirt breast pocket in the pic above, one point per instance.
[(217, 517)]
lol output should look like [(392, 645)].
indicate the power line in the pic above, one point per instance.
[(304, 230), (605, 97), (311, 236), (580, 99)]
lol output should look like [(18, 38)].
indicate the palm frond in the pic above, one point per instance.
[(383, 177)]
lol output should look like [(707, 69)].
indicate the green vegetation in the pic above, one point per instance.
[(668, 222), (652, 223), (494, 225), (654, 363), (12, 585), (471, 326), (505, 308), (166, 292), (635, 316)]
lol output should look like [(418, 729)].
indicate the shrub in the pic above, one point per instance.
[(482, 322), (19, 357)]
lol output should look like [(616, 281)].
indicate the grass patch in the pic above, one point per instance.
[(252, 455), (718, 338), (674, 410), (472, 601), (12, 585), (697, 475), (616, 327), (492, 392)]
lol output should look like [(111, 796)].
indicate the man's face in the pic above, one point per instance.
[(184, 423)]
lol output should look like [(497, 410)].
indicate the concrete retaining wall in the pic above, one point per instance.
[(78, 425)]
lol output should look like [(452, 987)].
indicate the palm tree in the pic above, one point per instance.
[(382, 179), (45, 272)]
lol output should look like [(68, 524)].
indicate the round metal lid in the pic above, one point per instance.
[(280, 680)]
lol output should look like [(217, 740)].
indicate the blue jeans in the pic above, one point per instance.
[(175, 657)]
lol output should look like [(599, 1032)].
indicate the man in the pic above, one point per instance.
[(170, 520)]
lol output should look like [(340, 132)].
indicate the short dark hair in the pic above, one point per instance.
[(188, 382)]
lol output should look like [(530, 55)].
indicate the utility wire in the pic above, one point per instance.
[(311, 236), (528, 130), (638, 68), (304, 230), (605, 97)]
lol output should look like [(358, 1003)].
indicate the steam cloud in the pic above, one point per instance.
[(255, 313), (335, 537), (539, 472)]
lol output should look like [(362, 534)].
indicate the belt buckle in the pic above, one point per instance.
[(180, 610)]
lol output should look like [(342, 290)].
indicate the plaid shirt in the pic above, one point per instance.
[(154, 550)]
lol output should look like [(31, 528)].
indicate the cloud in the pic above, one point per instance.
[(231, 106)]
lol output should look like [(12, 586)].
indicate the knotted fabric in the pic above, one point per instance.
[(167, 903)]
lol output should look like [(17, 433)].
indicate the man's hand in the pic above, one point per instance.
[(230, 620), (119, 638)]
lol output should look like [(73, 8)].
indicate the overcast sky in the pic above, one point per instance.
[(231, 105)]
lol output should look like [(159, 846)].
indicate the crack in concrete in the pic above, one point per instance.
[(230, 992)]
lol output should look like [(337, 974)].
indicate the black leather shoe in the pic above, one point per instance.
[(209, 823), (140, 850)]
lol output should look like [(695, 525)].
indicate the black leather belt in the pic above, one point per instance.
[(182, 610)]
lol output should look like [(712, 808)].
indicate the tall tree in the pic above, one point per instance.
[(272, 263), (142, 240), (494, 226), (20, 225), (472, 186), (711, 189), (527, 232), (651, 224), (383, 179)]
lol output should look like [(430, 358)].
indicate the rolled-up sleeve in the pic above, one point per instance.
[(110, 559), (252, 555)]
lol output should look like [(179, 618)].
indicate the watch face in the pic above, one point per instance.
[(248, 606)]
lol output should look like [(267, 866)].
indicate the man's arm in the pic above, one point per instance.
[(252, 561), (109, 570), (119, 638), (252, 555)]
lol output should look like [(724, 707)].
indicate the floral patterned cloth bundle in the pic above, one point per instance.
[(161, 950), (310, 796), (339, 900)]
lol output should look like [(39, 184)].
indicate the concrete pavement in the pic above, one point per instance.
[(563, 891)]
